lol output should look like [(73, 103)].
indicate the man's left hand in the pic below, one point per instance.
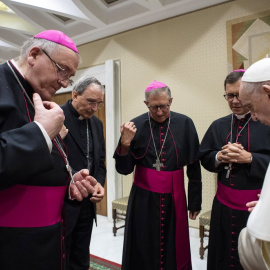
[(83, 186), (193, 214), (98, 193), (235, 153)]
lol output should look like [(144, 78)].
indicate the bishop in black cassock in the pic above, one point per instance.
[(237, 182), (156, 233)]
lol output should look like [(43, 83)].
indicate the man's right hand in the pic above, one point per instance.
[(49, 115), (128, 131)]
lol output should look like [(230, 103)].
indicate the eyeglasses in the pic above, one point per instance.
[(94, 103), (162, 107), (230, 97), (62, 73)]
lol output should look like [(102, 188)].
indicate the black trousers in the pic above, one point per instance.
[(77, 243)]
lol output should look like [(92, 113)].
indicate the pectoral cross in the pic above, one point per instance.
[(157, 165), (228, 168)]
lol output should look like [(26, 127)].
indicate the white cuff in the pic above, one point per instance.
[(46, 136), (217, 162)]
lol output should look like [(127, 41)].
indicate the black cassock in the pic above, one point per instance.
[(226, 221), (33, 184), (143, 232)]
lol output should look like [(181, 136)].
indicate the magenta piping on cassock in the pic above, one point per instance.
[(170, 182), (235, 198), (31, 206)]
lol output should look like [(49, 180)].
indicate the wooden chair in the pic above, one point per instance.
[(204, 221), (119, 210)]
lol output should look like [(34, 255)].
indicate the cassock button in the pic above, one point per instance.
[(240, 127), (162, 205), (162, 133), (163, 159), (163, 212), (64, 256)]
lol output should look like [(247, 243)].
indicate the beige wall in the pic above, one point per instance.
[(189, 53)]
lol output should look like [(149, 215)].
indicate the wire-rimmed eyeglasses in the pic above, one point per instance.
[(93, 103), (62, 73), (230, 97), (162, 107)]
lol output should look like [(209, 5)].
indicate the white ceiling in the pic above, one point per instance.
[(83, 20)]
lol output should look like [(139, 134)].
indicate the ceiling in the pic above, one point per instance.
[(83, 20)]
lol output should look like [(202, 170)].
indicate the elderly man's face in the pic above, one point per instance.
[(257, 103), (88, 102), (44, 77), (159, 106)]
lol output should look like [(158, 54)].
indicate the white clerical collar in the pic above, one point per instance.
[(241, 116), (81, 118), (17, 67)]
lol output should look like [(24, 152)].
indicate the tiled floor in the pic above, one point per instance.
[(107, 246)]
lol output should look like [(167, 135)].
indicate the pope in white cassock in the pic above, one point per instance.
[(254, 240)]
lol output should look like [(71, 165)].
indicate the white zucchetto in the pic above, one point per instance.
[(258, 72)]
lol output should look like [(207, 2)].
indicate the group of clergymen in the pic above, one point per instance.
[(52, 168)]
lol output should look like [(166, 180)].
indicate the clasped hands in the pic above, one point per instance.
[(234, 153), (83, 185)]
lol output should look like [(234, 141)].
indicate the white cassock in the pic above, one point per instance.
[(254, 240)]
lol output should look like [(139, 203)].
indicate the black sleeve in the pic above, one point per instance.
[(101, 172), (23, 154), (208, 150), (124, 164), (194, 171)]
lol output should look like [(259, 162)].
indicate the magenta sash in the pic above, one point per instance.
[(170, 182), (235, 198), (31, 206)]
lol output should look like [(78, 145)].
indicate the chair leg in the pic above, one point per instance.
[(114, 222), (201, 250)]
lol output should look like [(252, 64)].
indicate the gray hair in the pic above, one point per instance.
[(49, 46), (83, 83), (157, 92), (253, 87)]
